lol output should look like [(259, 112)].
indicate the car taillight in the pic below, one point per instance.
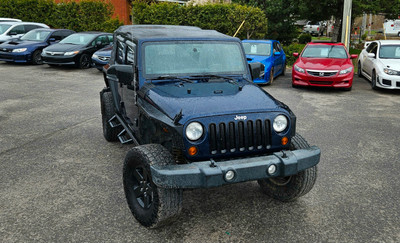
[(318, 29), (392, 25)]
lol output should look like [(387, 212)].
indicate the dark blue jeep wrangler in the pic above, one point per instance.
[(185, 98)]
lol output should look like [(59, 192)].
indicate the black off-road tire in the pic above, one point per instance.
[(37, 57), (158, 206), (290, 188), (107, 112), (84, 62)]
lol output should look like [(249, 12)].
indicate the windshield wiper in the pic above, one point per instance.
[(209, 76), (164, 77)]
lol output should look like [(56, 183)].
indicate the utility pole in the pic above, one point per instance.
[(346, 23)]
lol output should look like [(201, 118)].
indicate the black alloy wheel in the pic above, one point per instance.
[(84, 61), (37, 57)]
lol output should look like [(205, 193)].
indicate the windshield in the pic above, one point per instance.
[(193, 58), (324, 51), (36, 35), (389, 52), (4, 28), (78, 39), (261, 49)]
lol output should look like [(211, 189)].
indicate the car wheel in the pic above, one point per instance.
[(84, 62), (359, 73), (37, 57), (271, 76), (151, 205), (290, 188), (373, 80), (107, 112)]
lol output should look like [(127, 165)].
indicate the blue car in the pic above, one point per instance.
[(29, 47), (269, 53), (101, 57)]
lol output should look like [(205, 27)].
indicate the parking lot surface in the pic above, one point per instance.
[(62, 182)]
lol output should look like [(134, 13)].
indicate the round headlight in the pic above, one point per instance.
[(280, 123), (194, 131)]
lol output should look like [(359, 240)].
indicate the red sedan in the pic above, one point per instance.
[(323, 65)]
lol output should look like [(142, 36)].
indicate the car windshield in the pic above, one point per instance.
[(261, 49), (36, 35), (78, 39), (389, 52), (324, 51), (4, 28), (186, 58)]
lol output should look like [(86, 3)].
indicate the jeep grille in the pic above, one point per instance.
[(239, 136)]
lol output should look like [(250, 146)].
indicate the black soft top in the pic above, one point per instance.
[(147, 32)]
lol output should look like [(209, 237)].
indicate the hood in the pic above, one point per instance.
[(13, 44), (323, 63), (60, 47), (391, 63), (106, 51), (266, 60), (209, 99)]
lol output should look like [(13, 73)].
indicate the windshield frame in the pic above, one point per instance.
[(64, 41), (258, 43), (387, 45), (197, 74), (49, 32), (2, 25), (325, 46)]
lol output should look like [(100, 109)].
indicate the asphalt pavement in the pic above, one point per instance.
[(62, 182)]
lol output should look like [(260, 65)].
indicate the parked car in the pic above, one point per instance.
[(380, 64), (184, 97), (14, 30), (101, 57), (268, 52), (323, 65), (316, 28), (77, 49), (29, 47), (9, 20), (392, 27)]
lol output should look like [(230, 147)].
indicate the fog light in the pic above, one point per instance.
[(229, 175), (271, 169), (192, 151), (284, 140)]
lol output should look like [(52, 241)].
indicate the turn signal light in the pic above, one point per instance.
[(285, 140), (192, 151)]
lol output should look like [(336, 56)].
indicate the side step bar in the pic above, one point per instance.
[(125, 136)]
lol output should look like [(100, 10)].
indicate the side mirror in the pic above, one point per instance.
[(295, 54), (124, 73), (98, 44), (52, 40), (372, 55), (353, 56), (277, 53), (256, 69), (12, 33)]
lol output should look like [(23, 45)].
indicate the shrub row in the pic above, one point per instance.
[(85, 15), (290, 49), (225, 18)]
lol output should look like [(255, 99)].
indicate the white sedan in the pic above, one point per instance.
[(380, 64)]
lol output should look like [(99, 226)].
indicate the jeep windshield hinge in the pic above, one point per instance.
[(178, 117)]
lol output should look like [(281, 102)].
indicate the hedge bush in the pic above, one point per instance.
[(305, 38), (85, 15), (290, 49), (225, 18)]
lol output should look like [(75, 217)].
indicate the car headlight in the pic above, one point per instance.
[(19, 50), (299, 69), (95, 56), (194, 131), (346, 71), (70, 53), (280, 123), (391, 71)]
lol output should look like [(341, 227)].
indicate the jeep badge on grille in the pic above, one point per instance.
[(240, 118)]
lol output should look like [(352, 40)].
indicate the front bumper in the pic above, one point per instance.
[(336, 81), (388, 81), (59, 60), (15, 57), (204, 175)]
